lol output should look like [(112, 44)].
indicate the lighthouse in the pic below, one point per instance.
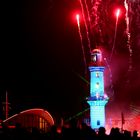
[(97, 99)]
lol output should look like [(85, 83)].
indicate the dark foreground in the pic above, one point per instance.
[(69, 132)]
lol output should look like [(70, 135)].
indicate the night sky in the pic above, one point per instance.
[(42, 63)]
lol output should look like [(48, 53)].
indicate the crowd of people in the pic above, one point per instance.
[(69, 132)]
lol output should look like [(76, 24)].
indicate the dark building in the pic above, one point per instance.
[(31, 118)]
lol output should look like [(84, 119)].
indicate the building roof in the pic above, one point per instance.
[(35, 111)]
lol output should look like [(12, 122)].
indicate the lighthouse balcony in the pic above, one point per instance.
[(97, 102), (96, 98)]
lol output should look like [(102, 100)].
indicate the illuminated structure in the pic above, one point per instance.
[(98, 98), (31, 118)]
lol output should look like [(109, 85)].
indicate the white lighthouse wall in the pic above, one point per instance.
[(94, 80), (97, 116)]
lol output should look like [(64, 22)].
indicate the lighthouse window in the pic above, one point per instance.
[(97, 85), (98, 122), (94, 58), (97, 74)]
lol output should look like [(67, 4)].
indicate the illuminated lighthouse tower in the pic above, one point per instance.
[(98, 98)]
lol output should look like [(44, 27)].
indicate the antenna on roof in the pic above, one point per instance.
[(6, 106)]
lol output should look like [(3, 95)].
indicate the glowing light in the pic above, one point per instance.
[(94, 58), (82, 45), (117, 13), (113, 47), (105, 96), (77, 18), (97, 75), (97, 95)]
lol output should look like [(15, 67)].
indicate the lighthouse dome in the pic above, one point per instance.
[(96, 57)]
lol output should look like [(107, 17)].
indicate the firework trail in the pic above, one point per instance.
[(98, 19), (88, 14), (110, 76), (87, 32), (95, 12), (79, 30), (113, 47), (128, 35)]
